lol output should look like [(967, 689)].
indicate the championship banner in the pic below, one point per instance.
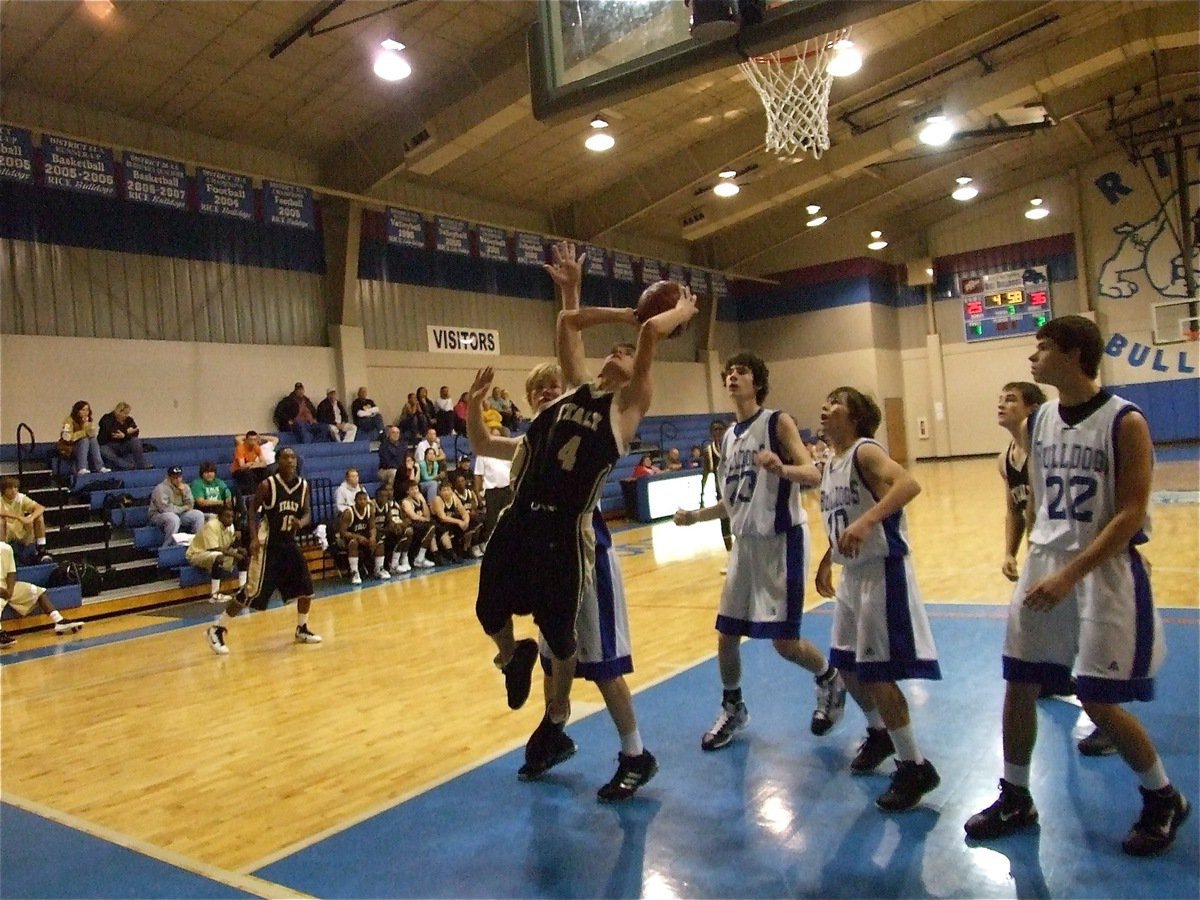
[(225, 194), (720, 286), (288, 204), (453, 236), (160, 182), (676, 272), (451, 339), (405, 227), (530, 250), (493, 242), (597, 263), (16, 154), (622, 267), (78, 166), (698, 282)]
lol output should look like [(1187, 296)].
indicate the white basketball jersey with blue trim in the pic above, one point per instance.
[(1073, 477), (845, 496), (759, 503)]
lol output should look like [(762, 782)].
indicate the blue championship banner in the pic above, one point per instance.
[(453, 236), (676, 272), (597, 260), (622, 267), (225, 194), (720, 286), (161, 182), (288, 204), (530, 249), (16, 154), (78, 166), (405, 227), (493, 242), (698, 282)]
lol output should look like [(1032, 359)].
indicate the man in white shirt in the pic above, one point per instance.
[(431, 440)]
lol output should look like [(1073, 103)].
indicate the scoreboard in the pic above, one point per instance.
[(1005, 304)]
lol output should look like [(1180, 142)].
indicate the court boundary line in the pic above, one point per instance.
[(251, 884)]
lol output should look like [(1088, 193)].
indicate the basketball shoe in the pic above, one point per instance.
[(1154, 831), (875, 748), (216, 640), (65, 627), (632, 773), (1098, 743), (6, 639), (304, 636), (1013, 811), (548, 746), (732, 718), (910, 782), (831, 702), (518, 672)]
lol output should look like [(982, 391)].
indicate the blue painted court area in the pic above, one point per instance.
[(41, 858), (777, 814)]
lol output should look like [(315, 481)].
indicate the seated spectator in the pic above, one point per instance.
[(392, 530), (209, 493), (23, 597), (22, 522), (470, 501), (296, 413), (216, 549), (412, 472), (501, 404), (430, 471), (514, 418), (673, 461), (331, 413), (696, 460), (460, 414), (492, 421), (250, 464), (492, 483), (462, 466), (456, 535), (357, 537), (427, 406), (78, 440), (120, 441), (413, 422), (343, 497), (367, 416), (444, 411), (172, 508), (391, 455), (416, 512), (431, 439), (645, 467)]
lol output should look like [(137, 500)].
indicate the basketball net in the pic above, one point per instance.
[(793, 84)]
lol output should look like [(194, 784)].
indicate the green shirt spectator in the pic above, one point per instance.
[(209, 492)]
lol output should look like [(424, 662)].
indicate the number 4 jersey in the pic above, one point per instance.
[(1072, 473)]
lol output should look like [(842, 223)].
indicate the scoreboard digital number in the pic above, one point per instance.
[(1006, 313)]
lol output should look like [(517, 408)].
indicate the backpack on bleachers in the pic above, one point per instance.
[(83, 574), (100, 484)]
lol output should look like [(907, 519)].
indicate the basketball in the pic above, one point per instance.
[(658, 298)]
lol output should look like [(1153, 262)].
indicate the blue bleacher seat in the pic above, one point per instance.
[(38, 574), (147, 537), (172, 557)]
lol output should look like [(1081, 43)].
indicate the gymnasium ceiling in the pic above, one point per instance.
[(204, 67)]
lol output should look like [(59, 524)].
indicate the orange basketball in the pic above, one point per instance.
[(658, 298)]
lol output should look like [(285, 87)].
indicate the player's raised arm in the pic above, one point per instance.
[(483, 442), (890, 482), (638, 393), (566, 271)]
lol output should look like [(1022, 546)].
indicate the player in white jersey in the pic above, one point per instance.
[(1083, 598), (880, 631), (764, 463)]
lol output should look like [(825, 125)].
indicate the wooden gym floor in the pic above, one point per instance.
[(382, 763)]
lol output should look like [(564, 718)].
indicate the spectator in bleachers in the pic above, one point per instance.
[(510, 416), (22, 522), (645, 466), (357, 537), (296, 413), (492, 483), (23, 596), (391, 455), (460, 414), (444, 410), (453, 522), (367, 416), (431, 472), (431, 439), (331, 413), (172, 508), (416, 512), (412, 472), (471, 503), (413, 422), (427, 406), (462, 466), (696, 460), (209, 493), (216, 549), (393, 531), (673, 462), (120, 439), (343, 497), (250, 464), (77, 441)]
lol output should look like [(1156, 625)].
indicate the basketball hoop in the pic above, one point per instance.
[(793, 84)]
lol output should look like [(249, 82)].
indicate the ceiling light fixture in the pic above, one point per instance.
[(728, 173), (877, 242), (965, 190), (389, 64), (812, 209), (846, 59), (725, 188), (936, 131), (817, 221), (600, 140), (598, 121), (100, 9), (1036, 210)]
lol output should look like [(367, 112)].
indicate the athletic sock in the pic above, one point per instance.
[(242, 576), (301, 619), (631, 744), (906, 744), (1155, 777), (216, 586), (420, 557), (41, 542), (1017, 775), (732, 695), (379, 564), (874, 719), (826, 673), (223, 620), (56, 616), (396, 560)]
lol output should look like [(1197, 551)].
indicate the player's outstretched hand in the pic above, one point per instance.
[(482, 384), (684, 517), (566, 270)]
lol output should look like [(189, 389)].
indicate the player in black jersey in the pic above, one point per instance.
[(537, 557), (356, 534), (710, 461), (279, 510)]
